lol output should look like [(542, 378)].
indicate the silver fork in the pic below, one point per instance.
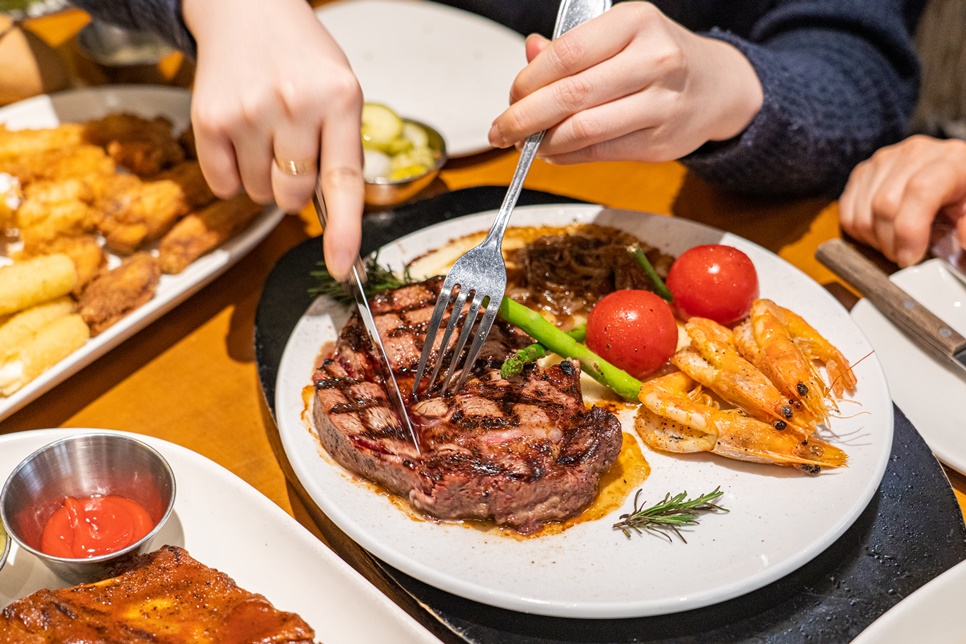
[(479, 275)]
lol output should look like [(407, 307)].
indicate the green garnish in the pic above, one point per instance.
[(666, 517), (545, 333), (380, 278), (515, 363), (659, 286)]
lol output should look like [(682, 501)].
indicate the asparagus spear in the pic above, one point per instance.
[(552, 338), (515, 363)]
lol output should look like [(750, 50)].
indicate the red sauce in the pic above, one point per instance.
[(94, 526)]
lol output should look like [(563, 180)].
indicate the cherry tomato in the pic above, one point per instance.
[(633, 330), (713, 281)]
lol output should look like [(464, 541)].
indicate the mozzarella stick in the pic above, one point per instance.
[(35, 280), (20, 327), (53, 343)]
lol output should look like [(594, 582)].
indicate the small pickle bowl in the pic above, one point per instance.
[(83, 466), (386, 188)]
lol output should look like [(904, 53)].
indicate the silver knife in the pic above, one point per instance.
[(944, 244), (354, 285), (931, 333)]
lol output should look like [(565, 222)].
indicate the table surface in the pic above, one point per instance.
[(191, 378)]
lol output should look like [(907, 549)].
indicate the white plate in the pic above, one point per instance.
[(778, 520), (148, 101), (228, 525), (933, 613), (446, 67), (929, 392)]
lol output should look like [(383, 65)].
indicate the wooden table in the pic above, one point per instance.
[(190, 378)]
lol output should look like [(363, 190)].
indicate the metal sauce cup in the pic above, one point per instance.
[(82, 466)]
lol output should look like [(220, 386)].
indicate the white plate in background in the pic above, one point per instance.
[(148, 101), (446, 67), (779, 519), (929, 393), (933, 613), (230, 526)]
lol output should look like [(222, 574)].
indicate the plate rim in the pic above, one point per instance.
[(608, 609)]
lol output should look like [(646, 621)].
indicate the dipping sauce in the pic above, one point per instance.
[(94, 526)]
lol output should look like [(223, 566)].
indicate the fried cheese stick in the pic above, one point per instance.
[(16, 142), (51, 344), (18, 328), (80, 161), (202, 231), (36, 280)]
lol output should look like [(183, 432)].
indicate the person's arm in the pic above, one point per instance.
[(891, 200), (275, 104), (814, 88), (840, 80)]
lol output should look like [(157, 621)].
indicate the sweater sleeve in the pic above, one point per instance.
[(840, 79), (162, 17)]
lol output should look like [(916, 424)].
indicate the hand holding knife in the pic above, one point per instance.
[(354, 284)]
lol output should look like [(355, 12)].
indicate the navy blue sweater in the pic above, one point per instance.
[(840, 78)]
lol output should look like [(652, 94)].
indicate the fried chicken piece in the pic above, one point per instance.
[(143, 146), (133, 211), (201, 231), (116, 292), (11, 196), (166, 597), (54, 209), (80, 161), (17, 142)]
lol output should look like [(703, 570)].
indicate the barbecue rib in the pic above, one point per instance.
[(166, 597), (521, 452)]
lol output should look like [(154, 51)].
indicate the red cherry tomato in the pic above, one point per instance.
[(633, 330), (713, 281)]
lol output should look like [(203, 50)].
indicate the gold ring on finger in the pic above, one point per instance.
[(297, 168)]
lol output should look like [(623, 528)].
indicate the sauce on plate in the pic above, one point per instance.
[(94, 526)]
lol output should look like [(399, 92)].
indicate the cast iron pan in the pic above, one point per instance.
[(911, 531)]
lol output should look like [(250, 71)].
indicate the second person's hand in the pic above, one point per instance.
[(629, 85), (892, 199), (274, 97)]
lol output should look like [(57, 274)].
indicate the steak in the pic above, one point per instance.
[(521, 452)]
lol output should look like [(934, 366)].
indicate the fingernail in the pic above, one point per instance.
[(905, 258), (339, 268), (496, 137)]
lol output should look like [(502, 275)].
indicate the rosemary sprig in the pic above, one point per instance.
[(666, 517), (659, 286), (380, 278)]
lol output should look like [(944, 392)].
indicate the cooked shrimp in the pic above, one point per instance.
[(714, 361), (677, 417), (785, 348)]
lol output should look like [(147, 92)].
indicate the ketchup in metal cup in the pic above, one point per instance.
[(94, 526)]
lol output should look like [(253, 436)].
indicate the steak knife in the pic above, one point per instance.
[(944, 245), (354, 285), (931, 333)]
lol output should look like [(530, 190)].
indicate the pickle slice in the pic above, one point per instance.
[(380, 126)]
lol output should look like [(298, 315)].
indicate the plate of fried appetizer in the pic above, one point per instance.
[(106, 223), (566, 488), (228, 563)]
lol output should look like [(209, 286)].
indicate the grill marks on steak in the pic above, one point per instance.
[(521, 452)]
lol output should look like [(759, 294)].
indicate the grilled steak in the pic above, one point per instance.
[(521, 452)]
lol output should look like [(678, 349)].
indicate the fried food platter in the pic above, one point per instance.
[(173, 104), (778, 520), (235, 529)]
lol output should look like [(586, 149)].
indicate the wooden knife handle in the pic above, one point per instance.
[(894, 303)]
